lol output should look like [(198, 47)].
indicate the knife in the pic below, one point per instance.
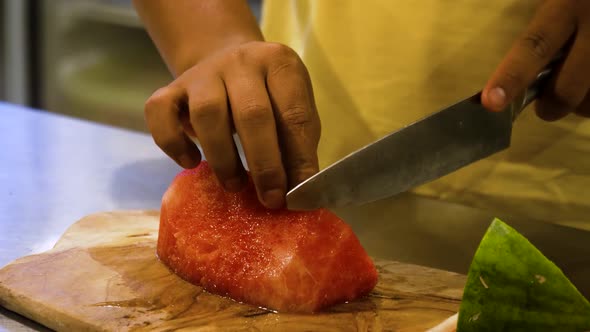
[(416, 154)]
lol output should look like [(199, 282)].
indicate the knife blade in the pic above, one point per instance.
[(416, 154)]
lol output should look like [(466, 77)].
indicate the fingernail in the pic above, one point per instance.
[(273, 199), (497, 97), (233, 185)]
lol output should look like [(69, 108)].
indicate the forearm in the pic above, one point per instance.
[(186, 31)]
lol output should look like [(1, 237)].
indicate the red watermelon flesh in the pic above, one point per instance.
[(231, 245)]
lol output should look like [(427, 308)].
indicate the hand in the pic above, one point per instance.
[(262, 91), (556, 24)]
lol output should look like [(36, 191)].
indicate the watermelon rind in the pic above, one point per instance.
[(512, 286)]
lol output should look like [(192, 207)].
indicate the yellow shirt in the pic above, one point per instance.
[(378, 65)]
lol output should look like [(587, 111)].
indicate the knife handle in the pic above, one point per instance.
[(536, 88)]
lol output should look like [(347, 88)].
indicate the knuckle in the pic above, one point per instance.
[(272, 176), (262, 170), (250, 51), (205, 110), (281, 50), (158, 101), (285, 65), (239, 54), (537, 44), (283, 58), (304, 166), (296, 115), (254, 112)]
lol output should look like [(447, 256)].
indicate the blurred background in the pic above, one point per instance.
[(89, 59)]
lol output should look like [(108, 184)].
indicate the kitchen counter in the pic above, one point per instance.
[(55, 170)]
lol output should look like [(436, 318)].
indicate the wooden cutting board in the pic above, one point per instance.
[(103, 275)]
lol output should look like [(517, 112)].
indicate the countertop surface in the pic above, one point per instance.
[(55, 170)]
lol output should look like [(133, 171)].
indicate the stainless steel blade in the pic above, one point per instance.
[(421, 152)]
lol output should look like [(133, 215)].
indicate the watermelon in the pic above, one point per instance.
[(512, 286), (231, 245)]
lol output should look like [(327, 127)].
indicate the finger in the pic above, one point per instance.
[(209, 117), (548, 109), (297, 119), (162, 113), (550, 29), (546, 106), (570, 84), (255, 123), (584, 107)]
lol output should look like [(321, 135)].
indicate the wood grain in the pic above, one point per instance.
[(103, 275)]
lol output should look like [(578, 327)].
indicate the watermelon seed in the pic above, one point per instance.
[(540, 278), (474, 317), (483, 282)]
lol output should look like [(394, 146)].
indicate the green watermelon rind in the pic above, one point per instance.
[(512, 286)]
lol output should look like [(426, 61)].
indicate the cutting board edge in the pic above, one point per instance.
[(48, 317)]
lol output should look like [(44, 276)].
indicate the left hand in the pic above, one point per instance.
[(555, 24)]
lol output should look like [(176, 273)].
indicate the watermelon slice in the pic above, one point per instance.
[(511, 286), (231, 245)]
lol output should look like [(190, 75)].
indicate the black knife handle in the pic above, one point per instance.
[(536, 88)]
